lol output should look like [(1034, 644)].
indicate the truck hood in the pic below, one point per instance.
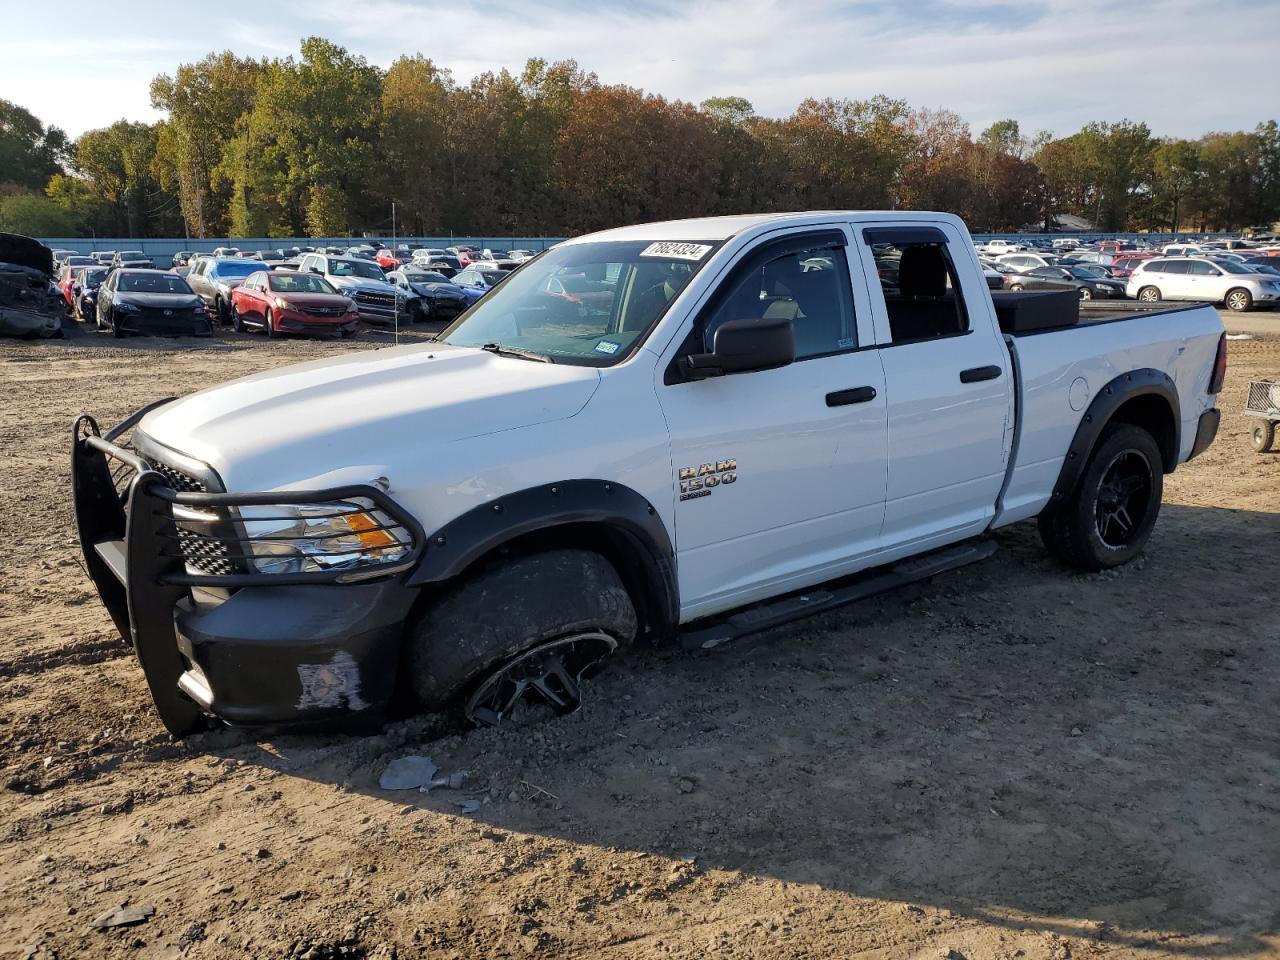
[(347, 419)]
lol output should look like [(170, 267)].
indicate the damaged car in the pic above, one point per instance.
[(31, 305), (744, 425)]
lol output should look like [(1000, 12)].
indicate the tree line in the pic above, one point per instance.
[(323, 143)]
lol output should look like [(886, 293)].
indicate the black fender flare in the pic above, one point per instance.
[(464, 540), (1136, 383)]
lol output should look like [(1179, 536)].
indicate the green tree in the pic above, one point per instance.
[(36, 215), (206, 101), (29, 153)]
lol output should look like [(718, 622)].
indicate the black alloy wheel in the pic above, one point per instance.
[(1123, 498), (547, 676)]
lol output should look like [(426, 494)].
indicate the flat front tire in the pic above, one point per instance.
[(1107, 518), (519, 633)]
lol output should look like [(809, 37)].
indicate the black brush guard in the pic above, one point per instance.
[(130, 541)]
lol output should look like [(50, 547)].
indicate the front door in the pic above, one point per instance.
[(779, 475), (950, 408)]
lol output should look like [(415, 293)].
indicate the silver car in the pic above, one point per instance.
[(1205, 281)]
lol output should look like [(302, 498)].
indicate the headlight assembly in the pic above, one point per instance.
[(347, 535)]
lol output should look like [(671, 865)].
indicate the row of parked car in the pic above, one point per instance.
[(1238, 274), (291, 290)]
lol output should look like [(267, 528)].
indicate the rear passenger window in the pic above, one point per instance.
[(808, 287), (919, 282), (1168, 266)]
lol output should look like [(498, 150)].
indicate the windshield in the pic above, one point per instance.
[(237, 268), (132, 255), (356, 268), (93, 278), (299, 283), (585, 303), (152, 283), (416, 277)]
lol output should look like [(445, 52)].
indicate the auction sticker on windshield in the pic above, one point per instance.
[(676, 251)]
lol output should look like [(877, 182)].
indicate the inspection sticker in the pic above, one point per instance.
[(607, 346), (676, 251)]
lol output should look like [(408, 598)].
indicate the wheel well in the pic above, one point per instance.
[(639, 569), (1153, 414)]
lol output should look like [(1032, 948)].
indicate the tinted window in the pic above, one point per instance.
[(1199, 268), (1167, 266), (298, 283), (808, 287), (921, 293), (356, 268), (152, 283), (232, 268)]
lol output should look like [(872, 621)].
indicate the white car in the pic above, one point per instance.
[(995, 248), (1235, 285), (1182, 249), (1022, 262), (702, 428)]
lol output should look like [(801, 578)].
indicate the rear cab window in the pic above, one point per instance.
[(919, 284)]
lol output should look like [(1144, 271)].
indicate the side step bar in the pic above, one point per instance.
[(808, 602)]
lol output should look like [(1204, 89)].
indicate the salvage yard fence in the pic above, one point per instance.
[(167, 247)]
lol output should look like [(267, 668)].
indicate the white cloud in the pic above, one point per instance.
[(1183, 66)]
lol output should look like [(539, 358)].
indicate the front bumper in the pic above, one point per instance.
[(299, 321), (298, 650)]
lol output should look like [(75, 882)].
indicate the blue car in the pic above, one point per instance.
[(477, 280)]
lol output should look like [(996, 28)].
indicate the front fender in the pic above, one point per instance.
[(620, 510)]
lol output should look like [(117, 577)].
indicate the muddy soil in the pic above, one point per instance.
[(1011, 760)]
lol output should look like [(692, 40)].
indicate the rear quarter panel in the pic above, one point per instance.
[(1062, 371)]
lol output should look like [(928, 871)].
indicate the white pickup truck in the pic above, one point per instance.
[(689, 430)]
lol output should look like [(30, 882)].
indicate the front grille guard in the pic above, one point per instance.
[(125, 493)]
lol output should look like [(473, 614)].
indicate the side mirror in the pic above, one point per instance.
[(743, 345)]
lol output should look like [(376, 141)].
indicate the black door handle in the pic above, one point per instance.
[(843, 398), (978, 374)]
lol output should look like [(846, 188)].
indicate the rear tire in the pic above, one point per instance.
[(1264, 434), (1239, 300), (473, 631), (1149, 295), (1107, 518)]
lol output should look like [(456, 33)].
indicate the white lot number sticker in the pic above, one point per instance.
[(676, 251)]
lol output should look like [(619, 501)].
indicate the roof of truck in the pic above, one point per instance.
[(721, 228)]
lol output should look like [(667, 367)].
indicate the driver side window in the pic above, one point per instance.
[(809, 287)]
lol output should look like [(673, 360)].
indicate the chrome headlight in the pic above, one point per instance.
[(282, 303), (318, 537)]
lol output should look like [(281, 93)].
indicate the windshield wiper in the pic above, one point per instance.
[(502, 351)]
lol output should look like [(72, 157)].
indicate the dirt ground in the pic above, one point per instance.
[(1011, 760)]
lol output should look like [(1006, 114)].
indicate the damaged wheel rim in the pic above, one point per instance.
[(548, 676)]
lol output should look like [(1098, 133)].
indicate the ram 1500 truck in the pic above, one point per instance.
[(690, 429)]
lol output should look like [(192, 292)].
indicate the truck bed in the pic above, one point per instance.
[(1028, 313)]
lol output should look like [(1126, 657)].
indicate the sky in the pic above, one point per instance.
[(1185, 67)]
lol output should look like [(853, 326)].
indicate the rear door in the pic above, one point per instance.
[(950, 415)]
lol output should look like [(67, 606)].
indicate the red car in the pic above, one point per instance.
[(69, 278), (285, 301), (390, 260), (1125, 264)]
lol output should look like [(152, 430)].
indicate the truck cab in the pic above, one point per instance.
[(744, 413)]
